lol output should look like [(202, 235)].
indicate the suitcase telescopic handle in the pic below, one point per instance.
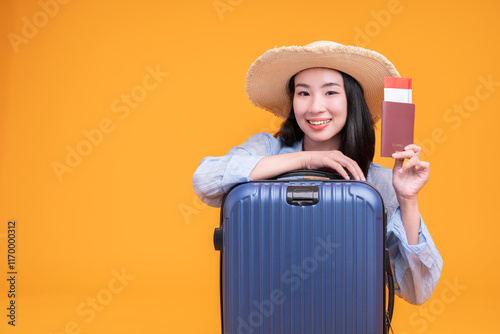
[(310, 174)]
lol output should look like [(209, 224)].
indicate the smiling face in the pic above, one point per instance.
[(320, 106)]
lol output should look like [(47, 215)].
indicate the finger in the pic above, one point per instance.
[(423, 166), (344, 161), (415, 148), (339, 169), (413, 162), (408, 154), (359, 175), (353, 167), (398, 164)]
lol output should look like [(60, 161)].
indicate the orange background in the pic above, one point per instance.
[(116, 241)]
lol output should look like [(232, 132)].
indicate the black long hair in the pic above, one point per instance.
[(358, 135)]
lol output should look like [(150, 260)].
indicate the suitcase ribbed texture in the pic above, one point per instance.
[(303, 269)]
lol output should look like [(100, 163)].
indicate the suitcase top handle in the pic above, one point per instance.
[(309, 174), (302, 195)]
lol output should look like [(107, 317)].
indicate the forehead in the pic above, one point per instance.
[(319, 74)]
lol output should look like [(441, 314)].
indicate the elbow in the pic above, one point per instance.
[(425, 287), (205, 191), (197, 182), (420, 299)]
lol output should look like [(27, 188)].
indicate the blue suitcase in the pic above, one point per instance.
[(304, 254)]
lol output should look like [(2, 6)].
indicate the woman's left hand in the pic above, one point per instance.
[(410, 177)]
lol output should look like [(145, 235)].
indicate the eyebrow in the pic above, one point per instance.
[(328, 84)]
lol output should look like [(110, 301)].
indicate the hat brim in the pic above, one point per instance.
[(267, 79)]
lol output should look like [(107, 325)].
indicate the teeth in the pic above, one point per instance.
[(320, 122)]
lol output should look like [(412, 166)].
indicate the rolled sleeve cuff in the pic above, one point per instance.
[(419, 250), (238, 169)]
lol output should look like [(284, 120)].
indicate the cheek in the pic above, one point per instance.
[(340, 108), (298, 109), (297, 106)]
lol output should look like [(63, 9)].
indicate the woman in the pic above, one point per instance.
[(331, 95)]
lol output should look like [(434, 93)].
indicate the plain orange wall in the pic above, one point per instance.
[(107, 107)]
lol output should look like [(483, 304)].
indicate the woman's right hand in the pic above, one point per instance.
[(334, 160)]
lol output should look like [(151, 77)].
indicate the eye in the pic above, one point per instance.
[(303, 93), (331, 92)]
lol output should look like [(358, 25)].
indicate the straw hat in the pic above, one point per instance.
[(267, 79)]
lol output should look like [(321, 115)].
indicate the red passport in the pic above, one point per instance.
[(398, 118), (398, 121)]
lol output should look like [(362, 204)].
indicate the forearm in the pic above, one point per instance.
[(271, 166), (410, 216)]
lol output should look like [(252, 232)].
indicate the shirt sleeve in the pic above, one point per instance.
[(416, 268), (215, 176)]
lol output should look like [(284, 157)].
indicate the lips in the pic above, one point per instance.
[(318, 123)]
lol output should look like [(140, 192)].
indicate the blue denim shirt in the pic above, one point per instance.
[(416, 268)]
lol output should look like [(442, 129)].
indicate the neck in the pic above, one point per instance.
[(331, 145)]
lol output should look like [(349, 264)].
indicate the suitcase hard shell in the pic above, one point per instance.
[(303, 256)]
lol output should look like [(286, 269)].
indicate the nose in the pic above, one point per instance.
[(317, 104)]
